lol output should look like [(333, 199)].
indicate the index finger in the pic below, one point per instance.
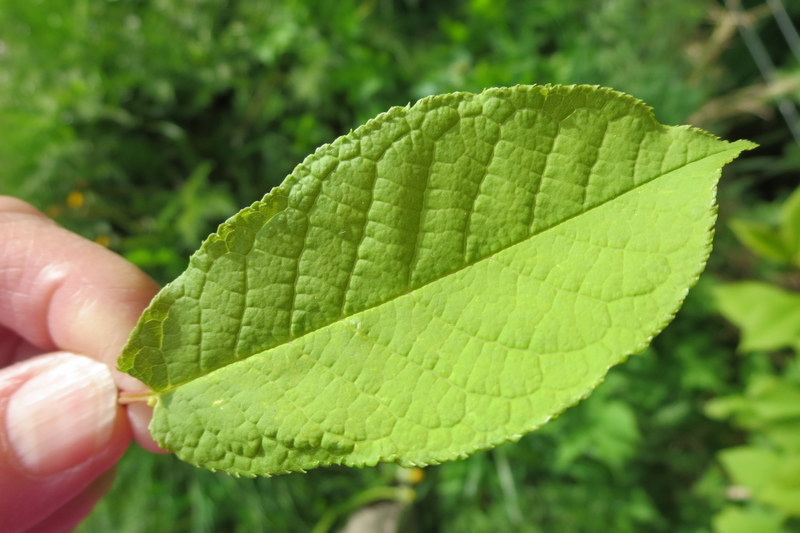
[(60, 291)]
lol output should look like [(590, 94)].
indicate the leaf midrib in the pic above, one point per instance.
[(466, 265)]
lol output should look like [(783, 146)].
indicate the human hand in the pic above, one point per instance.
[(61, 427)]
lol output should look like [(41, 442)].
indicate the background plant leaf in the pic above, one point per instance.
[(737, 520), (768, 316), (445, 278), (762, 239), (790, 226), (770, 476)]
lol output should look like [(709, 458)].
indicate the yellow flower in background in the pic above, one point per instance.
[(410, 476), (416, 475), (75, 199)]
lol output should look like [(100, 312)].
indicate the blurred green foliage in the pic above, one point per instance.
[(167, 114), (144, 123), (764, 472)]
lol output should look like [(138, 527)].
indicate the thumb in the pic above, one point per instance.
[(60, 429)]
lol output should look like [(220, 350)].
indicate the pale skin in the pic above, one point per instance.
[(67, 306)]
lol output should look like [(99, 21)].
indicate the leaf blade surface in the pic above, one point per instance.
[(445, 278)]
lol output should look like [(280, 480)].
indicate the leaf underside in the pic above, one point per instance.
[(443, 279)]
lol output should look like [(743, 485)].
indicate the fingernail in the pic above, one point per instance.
[(62, 417)]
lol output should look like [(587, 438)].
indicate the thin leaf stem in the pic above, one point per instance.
[(128, 397)]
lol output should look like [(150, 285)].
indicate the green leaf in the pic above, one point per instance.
[(781, 244), (762, 240), (750, 466), (790, 226), (768, 316), (770, 406), (770, 476), (736, 520), (443, 279)]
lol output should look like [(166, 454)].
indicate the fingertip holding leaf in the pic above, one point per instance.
[(445, 278)]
